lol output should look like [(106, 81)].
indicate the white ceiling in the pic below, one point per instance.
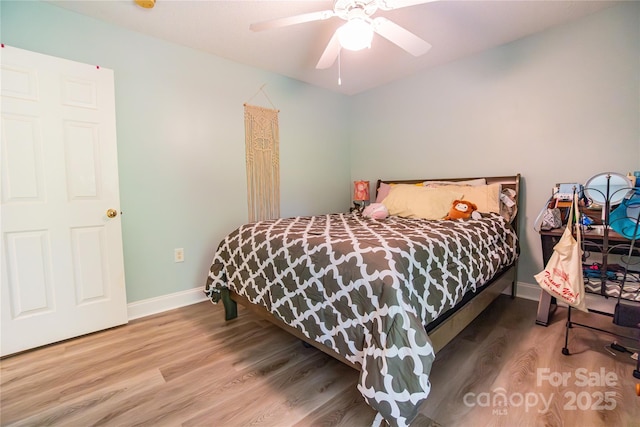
[(455, 28)]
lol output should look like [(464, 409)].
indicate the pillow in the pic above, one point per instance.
[(375, 211), (473, 182), (412, 201), (508, 204), (383, 191), (486, 197)]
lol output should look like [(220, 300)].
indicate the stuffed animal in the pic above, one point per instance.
[(461, 209), (375, 211)]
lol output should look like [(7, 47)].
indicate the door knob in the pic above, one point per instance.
[(112, 213)]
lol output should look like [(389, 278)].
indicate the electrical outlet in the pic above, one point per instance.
[(178, 255)]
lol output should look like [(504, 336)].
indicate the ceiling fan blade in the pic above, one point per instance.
[(330, 53), (397, 4), (398, 35), (292, 20)]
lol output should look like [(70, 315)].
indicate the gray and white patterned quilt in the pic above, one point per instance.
[(365, 288)]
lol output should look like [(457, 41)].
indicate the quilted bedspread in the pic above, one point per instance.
[(365, 288)]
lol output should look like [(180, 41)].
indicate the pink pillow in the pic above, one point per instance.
[(383, 191)]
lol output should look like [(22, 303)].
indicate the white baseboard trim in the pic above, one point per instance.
[(526, 290), (162, 303)]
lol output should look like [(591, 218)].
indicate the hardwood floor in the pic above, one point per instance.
[(188, 367)]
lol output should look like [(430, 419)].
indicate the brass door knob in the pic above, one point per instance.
[(112, 213)]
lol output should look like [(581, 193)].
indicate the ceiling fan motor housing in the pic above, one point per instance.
[(350, 9)]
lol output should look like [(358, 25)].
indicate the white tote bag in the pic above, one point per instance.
[(562, 276)]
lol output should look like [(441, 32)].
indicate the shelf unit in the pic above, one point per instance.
[(625, 286)]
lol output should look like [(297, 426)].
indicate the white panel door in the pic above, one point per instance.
[(62, 263)]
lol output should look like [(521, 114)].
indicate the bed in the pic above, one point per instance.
[(383, 296)]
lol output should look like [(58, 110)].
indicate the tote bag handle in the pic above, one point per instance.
[(573, 214)]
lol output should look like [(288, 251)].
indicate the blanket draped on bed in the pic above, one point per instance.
[(365, 288)]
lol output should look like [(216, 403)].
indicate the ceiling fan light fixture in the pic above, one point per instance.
[(356, 34)]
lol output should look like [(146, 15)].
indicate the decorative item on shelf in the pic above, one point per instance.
[(551, 218), (607, 189), (360, 195), (607, 186)]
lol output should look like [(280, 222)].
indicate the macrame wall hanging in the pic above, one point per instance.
[(262, 140)]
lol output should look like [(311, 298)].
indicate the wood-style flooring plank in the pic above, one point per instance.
[(188, 367), (98, 408), (526, 355)]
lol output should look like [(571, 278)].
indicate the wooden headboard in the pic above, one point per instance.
[(506, 181)]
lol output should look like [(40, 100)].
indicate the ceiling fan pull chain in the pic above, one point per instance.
[(339, 79)]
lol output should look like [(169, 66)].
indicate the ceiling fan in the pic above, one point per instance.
[(358, 31)]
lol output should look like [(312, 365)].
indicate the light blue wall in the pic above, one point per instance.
[(559, 106), (180, 128)]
